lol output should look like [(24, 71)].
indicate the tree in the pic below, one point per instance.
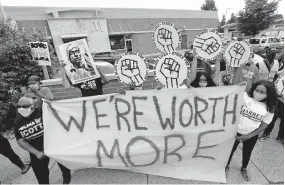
[(257, 16), (16, 65), (209, 5), (233, 19), (222, 23)]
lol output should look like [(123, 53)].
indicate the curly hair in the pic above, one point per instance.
[(271, 98), (210, 82)]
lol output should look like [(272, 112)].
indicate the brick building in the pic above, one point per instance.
[(107, 29)]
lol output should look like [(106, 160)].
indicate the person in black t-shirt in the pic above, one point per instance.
[(29, 132), (89, 88)]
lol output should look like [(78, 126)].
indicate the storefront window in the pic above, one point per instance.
[(117, 42)]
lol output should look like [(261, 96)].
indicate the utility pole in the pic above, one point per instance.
[(2, 12)]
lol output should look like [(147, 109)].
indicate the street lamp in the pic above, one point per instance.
[(227, 14)]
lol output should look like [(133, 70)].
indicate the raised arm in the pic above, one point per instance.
[(216, 75), (193, 70)]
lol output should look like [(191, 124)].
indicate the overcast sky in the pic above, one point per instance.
[(233, 6)]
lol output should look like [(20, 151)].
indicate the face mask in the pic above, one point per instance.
[(258, 96), (203, 84), (26, 112)]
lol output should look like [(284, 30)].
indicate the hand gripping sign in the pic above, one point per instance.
[(131, 68), (279, 84), (166, 37), (171, 70), (237, 53), (207, 45)]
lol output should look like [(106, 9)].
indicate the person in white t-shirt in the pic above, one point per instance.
[(256, 114)]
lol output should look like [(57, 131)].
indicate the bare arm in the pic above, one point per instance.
[(254, 133), (217, 72), (26, 146), (193, 70), (105, 80)]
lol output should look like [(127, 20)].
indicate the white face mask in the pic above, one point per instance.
[(258, 96), (26, 112), (203, 84)]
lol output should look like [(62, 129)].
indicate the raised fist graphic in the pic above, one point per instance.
[(130, 69), (236, 53), (209, 45), (170, 70), (164, 38)]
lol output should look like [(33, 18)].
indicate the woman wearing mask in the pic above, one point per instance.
[(203, 79), (256, 113)]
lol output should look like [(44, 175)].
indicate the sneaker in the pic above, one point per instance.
[(244, 174), (280, 140), (26, 168), (264, 137)]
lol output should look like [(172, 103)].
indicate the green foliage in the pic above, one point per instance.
[(16, 65), (257, 16), (209, 5), (233, 19), (222, 23)]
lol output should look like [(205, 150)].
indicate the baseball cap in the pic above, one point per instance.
[(34, 79)]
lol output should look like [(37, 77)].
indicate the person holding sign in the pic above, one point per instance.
[(247, 72), (203, 79), (269, 66), (256, 115), (89, 88), (29, 131), (279, 112)]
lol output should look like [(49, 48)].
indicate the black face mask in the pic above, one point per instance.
[(271, 57)]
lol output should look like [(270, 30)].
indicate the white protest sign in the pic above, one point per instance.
[(40, 53), (178, 133), (166, 37), (79, 65), (279, 84), (130, 68), (208, 45), (237, 53), (171, 70)]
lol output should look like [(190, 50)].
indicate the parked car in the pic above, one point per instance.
[(260, 44)]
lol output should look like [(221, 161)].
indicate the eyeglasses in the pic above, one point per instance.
[(23, 106)]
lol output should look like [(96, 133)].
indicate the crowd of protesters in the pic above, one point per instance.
[(260, 96)]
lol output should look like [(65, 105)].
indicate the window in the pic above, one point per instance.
[(270, 40), (66, 40), (254, 41), (263, 41), (275, 40), (117, 42)]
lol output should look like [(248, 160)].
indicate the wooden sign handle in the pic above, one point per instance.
[(45, 72)]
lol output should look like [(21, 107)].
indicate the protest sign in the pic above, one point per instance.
[(166, 37), (178, 133), (79, 65), (40, 53), (131, 68), (171, 70), (279, 84), (237, 53), (207, 45)]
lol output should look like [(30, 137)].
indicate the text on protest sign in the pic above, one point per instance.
[(154, 132), (40, 53)]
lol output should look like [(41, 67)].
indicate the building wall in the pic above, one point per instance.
[(61, 93), (34, 26)]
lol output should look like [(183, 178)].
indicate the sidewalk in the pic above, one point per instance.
[(266, 167)]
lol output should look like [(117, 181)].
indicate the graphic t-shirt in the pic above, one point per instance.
[(91, 88), (31, 129), (252, 114)]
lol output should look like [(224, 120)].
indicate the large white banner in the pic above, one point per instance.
[(178, 133)]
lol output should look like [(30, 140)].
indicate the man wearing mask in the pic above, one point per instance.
[(37, 91), (29, 131), (268, 68)]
